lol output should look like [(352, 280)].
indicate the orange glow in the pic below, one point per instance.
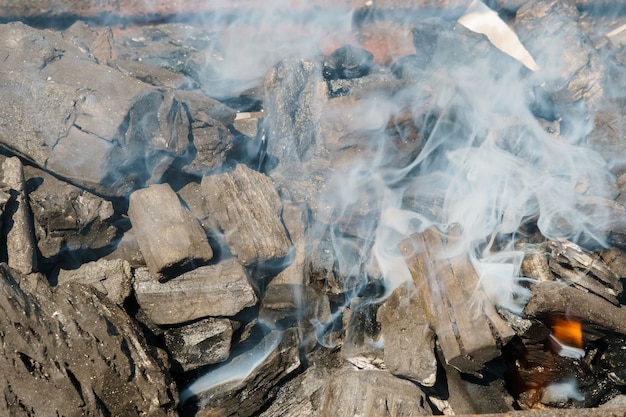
[(568, 331)]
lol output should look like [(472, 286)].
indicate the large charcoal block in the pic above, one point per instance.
[(209, 291), (554, 298), (294, 94), (66, 217), (83, 121), (467, 326), (69, 351), (247, 208), (169, 237)]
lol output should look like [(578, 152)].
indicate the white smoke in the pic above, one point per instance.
[(496, 171), (488, 159)]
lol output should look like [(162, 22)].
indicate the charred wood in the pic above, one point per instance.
[(53, 343), (247, 395), (69, 221)]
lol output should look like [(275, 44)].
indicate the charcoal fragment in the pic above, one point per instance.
[(348, 62)]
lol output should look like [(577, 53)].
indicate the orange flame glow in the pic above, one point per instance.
[(568, 331)]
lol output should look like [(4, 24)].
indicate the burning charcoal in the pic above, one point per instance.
[(170, 239), (247, 208), (465, 395), (613, 360), (371, 393), (69, 348), (96, 127), (348, 62), (111, 278), (529, 329), (557, 298), (408, 341), (200, 343), (587, 270), (209, 291), (68, 218), (246, 383), (20, 238), (454, 303)]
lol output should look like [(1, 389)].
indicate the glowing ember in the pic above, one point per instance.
[(567, 337), (568, 330)]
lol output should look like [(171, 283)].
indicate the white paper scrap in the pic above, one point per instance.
[(481, 19)]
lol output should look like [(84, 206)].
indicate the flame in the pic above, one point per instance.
[(568, 331), (567, 337)]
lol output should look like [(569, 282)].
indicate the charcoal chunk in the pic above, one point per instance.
[(169, 237), (85, 122), (348, 62), (209, 291), (110, 277), (200, 343), (247, 208), (68, 218)]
